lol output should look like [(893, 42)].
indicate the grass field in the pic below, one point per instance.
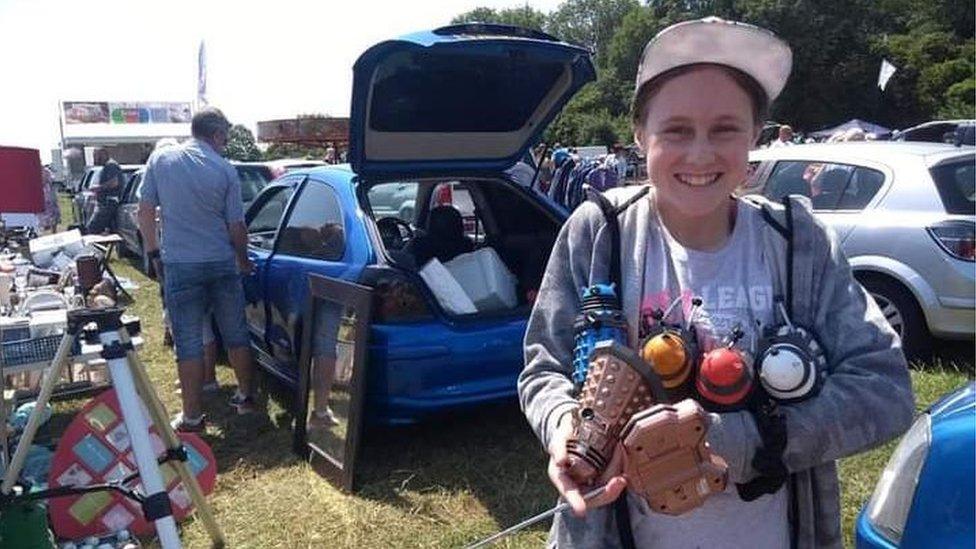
[(435, 485)]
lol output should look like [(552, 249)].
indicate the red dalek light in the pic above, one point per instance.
[(725, 377)]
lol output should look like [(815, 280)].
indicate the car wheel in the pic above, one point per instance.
[(899, 307)]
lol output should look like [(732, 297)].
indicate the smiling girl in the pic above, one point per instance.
[(703, 90)]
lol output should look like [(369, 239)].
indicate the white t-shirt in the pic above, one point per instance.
[(735, 286)]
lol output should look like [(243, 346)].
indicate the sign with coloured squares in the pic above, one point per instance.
[(96, 448), (117, 472), (101, 417), (93, 454), (119, 437), (89, 506), (180, 497), (196, 461), (118, 518), (74, 475)]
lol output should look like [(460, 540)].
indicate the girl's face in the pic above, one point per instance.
[(696, 135)]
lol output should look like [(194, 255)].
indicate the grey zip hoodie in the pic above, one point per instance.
[(866, 400)]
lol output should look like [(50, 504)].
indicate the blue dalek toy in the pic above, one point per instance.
[(600, 319)]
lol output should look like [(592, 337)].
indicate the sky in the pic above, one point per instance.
[(265, 60)]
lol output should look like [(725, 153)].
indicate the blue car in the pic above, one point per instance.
[(925, 495), (438, 121)]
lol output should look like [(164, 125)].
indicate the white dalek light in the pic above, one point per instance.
[(791, 363)]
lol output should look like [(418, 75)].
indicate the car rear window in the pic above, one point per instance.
[(956, 182), (829, 186), (446, 92)]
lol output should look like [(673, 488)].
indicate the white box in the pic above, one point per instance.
[(485, 278), (446, 289)]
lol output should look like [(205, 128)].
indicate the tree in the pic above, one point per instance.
[(590, 23), (241, 145), (524, 16)]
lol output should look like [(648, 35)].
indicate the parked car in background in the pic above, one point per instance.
[(284, 165), (925, 495), (349, 222), (906, 218), (940, 131), (254, 176), (83, 202)]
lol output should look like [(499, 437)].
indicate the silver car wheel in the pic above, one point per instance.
[(890, 312)]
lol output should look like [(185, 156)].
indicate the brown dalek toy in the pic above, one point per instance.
[(618, 384), (668, 461)]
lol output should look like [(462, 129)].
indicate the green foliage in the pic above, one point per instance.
[(523, 16), (837, 47), (294, 150), (590, 23), (241, 145)]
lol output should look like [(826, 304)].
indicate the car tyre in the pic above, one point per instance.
[(899, 307)]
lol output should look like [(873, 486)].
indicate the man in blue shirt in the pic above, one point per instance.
[(203, 255)]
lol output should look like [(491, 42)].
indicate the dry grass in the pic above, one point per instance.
[(442, 485)]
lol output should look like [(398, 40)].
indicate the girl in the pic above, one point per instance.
[(703, 89)]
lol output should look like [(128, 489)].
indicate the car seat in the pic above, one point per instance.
[(444, 238)]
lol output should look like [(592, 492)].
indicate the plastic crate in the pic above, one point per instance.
[(29, 351)]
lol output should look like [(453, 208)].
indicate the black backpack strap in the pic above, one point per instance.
[(610, 212), (613, 225), (788, 204), (621, 511)]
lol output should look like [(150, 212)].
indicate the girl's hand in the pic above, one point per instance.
[(568, 488)]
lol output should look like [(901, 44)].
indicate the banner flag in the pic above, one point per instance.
[(887, 70)]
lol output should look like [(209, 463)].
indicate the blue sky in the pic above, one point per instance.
[(265, 60)]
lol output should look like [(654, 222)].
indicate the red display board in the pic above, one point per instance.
[(96, 449), (20, 181)]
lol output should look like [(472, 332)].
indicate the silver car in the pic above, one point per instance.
[(906, 219), (253, 175)]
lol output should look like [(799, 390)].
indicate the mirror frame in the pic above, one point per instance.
[(339, 471)]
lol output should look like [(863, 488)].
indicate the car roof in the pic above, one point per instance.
[(323, 169), (879, 151), (282, 162)]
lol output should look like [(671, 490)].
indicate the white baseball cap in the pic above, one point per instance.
[(748, 48)]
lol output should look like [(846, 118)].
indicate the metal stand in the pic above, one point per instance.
[(131, 383)]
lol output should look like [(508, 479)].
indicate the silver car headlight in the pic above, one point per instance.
[(892, 498)]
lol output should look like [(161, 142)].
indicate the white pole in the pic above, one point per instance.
[(136, 425)]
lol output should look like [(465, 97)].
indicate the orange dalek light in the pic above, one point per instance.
[(672, 350), (725, 376), (618, 384)]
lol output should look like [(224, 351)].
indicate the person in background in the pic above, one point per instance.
[(107, 193), (52, 210), (784, 139), (203, 253)]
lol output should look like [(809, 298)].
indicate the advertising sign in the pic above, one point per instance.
[(104, 112)]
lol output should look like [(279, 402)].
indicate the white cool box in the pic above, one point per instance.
[(472, 283)]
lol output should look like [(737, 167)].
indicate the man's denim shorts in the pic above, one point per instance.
[(195, 289)]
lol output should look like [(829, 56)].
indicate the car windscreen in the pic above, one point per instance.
[(253, 179), (956, 182)]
